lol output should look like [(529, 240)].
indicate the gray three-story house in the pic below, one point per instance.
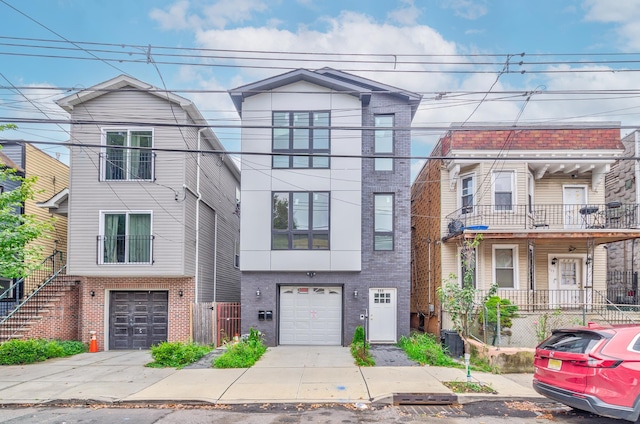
[(153, 224)]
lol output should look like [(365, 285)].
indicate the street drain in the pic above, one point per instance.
[(424, 399)]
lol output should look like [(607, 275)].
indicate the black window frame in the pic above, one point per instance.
[(391, 233), (290, 232), (293, 154), (393, 142)]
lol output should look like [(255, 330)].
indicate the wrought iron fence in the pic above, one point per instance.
[(45, 285), (612, 215)]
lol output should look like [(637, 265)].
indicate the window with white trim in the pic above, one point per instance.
[(383, 142), (125, 238), (503, 190), (300, 221), (467, 187), (301, 139), (505, 266), (127, 155)]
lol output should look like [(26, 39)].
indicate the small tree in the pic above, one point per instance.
[(18, 256), (459, 300)]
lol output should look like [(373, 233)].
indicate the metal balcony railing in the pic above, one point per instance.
[(125, 165), (120, 249), (612, 215)]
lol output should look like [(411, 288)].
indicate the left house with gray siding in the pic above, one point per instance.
[(153, 223)]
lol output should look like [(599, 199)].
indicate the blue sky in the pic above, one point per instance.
[(567, 36)]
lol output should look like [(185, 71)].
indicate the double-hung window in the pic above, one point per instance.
[(383, 142), (383, 221), (300, 221), (503, 190), (505, 270), (466, 194), (127, 155), (301, 140), (126, 238)]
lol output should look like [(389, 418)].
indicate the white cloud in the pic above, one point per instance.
[(468, 9), (406, 15), (174, 17), (624, 15), (180, 16)]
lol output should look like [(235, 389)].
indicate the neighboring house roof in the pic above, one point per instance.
[(586, 135), (58, 203), (568, 148), (339, 81), (122, 82), (8, 163)]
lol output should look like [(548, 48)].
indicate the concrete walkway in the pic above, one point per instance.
[(284, 375)]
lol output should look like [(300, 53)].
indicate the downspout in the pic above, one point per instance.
[(198, 200), (215, 256), (637, 181)]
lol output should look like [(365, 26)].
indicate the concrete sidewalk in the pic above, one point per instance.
[(284, 375)]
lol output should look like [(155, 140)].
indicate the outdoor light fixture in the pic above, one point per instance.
[(554, 261), (92, 293), (355, 293), (180, 293), (258, 293), (588, 261), (311, 274), (572, 248)]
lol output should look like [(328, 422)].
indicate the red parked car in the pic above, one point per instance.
[(594, 368)]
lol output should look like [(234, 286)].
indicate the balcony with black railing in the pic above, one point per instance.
[(608, 216), (123, 165), (121, 249)]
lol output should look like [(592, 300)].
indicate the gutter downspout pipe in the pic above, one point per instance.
[(198, 201)]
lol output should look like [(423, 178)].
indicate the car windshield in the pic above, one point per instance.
[(575, 342)]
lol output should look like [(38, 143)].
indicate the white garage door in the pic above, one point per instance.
[(310, 315)]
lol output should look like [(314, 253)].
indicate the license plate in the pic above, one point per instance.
[(554, 364)]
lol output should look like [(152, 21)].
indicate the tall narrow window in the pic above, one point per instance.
[(126, 238), (127, 155), (383, 143), (503, 190), (505, 260), (383, 222), (300, 221), (466, 194), (301, 140), (236, 256)]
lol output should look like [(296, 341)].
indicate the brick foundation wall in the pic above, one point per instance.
[(94, 317), (62, 319)]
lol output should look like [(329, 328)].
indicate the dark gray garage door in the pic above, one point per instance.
[(137, 319)]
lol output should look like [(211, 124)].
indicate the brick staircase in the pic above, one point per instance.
[(48, 311)]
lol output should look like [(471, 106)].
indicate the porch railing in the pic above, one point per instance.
[(39, 287), (541, 300), (612, 215)]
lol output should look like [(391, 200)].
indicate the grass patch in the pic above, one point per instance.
[(468, 387), (20, 352), (360, 349), (242, 354), (176, 354), (426, 349)]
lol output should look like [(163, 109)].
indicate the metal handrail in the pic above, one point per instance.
[(611, 307), (14, 322), (19, 281)]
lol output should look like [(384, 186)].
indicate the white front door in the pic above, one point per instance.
[(574, 198), (310, 315), (566, 281), (382, 315)]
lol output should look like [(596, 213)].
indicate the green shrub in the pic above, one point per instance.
[(360, 349), (244, 353), (427, 350), (176, 354), (19, 352), (507, 312)]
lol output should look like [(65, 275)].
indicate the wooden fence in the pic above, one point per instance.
[(214, 322)]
